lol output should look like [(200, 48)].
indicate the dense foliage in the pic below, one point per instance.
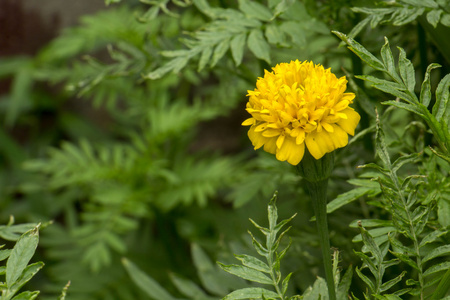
[(124, 132)]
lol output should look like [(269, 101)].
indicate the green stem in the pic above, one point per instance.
[(318, 192)]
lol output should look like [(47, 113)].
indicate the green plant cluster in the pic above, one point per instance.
[(125, 132)]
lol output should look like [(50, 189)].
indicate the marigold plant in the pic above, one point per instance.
[(300, 103)]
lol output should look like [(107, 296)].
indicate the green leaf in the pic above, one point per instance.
[(439, 251), (445, 20), (388, 59), (405, 159), (406, 70), (437, 268), (246, 273), (175, 65), (204, 58), (282, 6), (381, 148), (370, 243), (187, 287), (347, 198), (26, 275), (430, 238), (26, 296), (145, 282), (434, 16), (408, 107), (387, 285), (285, 284), (441, 108), (366, 279), (237, 45), (254, 263), (4, 254), (220, 51), (377, 81), (443, 207), (425, 91), (370, 223), (207, 271), (258, 45), (344, 285), (255, 10), (250, 293), (359, 50), (20, 255)]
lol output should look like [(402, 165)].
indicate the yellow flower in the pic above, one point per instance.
[(300, 104)]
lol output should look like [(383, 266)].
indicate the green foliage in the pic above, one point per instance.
[(131, 153)]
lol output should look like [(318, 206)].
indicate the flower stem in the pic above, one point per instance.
[(318, 192)]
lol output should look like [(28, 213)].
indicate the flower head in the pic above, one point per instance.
[(300, 104)]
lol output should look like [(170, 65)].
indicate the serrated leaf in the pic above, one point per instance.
[(147, 284), (255, 10), (20, 255), (346, 198), (362, 52), (370, 223), (366, 280), (406, 71), (442, 106), (253, 262), (405, 159), (175, 65), (381, 148), (204, 58), (26, 296), (382, 82), (388, 58), (425, 91), (220, 51), (282, 6), (437, 268), (408, 107), (285, 284), (258, 45), (250, 293), (246, 273), (237, 45), (26, 275), (434, 16), (439, 251), (370, 243), (387, 285), (295, 31), (274, 35), (344, 285), (397, 93)]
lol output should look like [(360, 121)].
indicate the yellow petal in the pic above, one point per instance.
[(327, 126), (270, 145), (271, 132), (319, 143), (248, 122), (261, 127), (256, 138), (280, 141), (300, 138), (351, 122), (339, 137), (291, 152)]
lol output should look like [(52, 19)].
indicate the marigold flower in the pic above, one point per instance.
[(300, 104)]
